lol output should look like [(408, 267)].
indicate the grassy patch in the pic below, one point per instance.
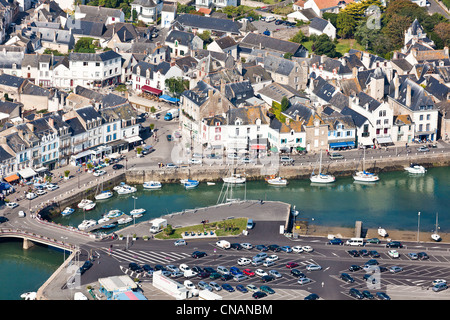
[(345, 45), (230, 227)]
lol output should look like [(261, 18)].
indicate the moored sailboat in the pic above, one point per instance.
[(321, 177)]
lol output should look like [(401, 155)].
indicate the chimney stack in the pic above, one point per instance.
[(396, 85), (408, 95)]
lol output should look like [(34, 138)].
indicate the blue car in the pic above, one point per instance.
[(241, 288), (227, 287), (286, 249), (336, 241), (235, 271)]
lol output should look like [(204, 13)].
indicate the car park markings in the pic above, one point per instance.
[(146, 256)]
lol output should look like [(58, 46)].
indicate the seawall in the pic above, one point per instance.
[(374, 163)]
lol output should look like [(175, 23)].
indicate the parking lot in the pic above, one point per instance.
[(413, 282)]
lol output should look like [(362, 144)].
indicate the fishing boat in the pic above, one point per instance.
[(83, 203), (416, 168), (85, 224), (152, 185), (191, 184), (114, 214), (137, 212), (234, 179), (67, 211), (125, 220), (363, 175), (435, 236), (103, 195), (126, 189), (28, 296), (321, 177), (382, 232), (277, 181)]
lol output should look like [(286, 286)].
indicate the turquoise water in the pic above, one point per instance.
[(393, 202), (25, 270)]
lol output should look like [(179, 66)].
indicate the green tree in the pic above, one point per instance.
[(395, 30), (323, 45), (332, 17), (284, 103), (299, 37), (177, 85), (85, 45), (346, 25)]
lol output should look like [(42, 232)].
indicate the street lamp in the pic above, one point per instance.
[(418, 226), (64, 250)]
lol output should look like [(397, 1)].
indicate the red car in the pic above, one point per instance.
[(292, 265), (248, 272)]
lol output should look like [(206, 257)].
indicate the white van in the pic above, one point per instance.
[(223, 244), (355, 242)]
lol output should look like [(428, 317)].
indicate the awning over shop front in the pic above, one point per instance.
[(258, 147), (133, 139), (12, 178), (384, 140), (27, 173), (151, 90), (343, 144)]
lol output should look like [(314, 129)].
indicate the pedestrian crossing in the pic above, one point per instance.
[(145, 257)]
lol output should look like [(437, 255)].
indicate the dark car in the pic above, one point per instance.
[(198, 254), (374, 254), (356, 293), (203, 275), (159, 267), (278, 22), (336, 241), (241, 288), (197, 269), (274, 247), (354, 267), (226, 277), (422, 256), (236, 246), (259, 295), (135, 267), (227, 287), (367, 294), (347, 278), (363, 252), (209, 269), (382, 296), (214, 275), (369, 277), (261, 247), (3, 219), (169, 137), (297, 273), (372, 262), (312, 296), (394, 244), (267, 278), (353, 253), (117, 166), (86, 266), (267, 289), (147, 268), (373, 240)]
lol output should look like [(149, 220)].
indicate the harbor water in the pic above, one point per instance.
[(393, 203)]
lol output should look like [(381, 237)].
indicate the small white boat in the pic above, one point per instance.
[(234, 179), (103, 220), (211, 183), (416, 168), (190, 184), (89, 206), (67, 211), (126, 189), (87, 224), (364, 176), (114, 214), (321, 177), (84, 203), (125, 220), (382, 232), (136, 212), (435, 236), (28, 296), (104, 195), (152, 185), (277, 181)]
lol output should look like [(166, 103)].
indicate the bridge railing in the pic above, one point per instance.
[(36, 237)]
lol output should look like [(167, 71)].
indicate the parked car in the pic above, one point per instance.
[(439, 287), (422, 255), (313, 267), (31, 195), (312, 296), (373, 240), (367, 294), (169, 137), (297, 273), (285, 159), (248, 272), (307, 249), (291, 265), (259, 295), (336, 155), (240, 277), (12, 205), (347, 278), (395, 269), (413, 256), (98, 173), (393, 253), (198, 254), (394, 244), (241, 288), (180, 242), (303, 280), (356, 293), (423, 149), (246, 246), (297, 249), (252, 288), (267, 289), (227, 287), (382, 296), (203, 285), (336, 241), (117, 166), (244, 261)]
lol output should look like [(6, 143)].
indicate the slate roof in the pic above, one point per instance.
[(365, 99), (437, 89), (248, 115), (255, 40), (226, 42), (11, 81), (278, 65), (358, 119), (208, 23), (112, 100), (4, 155), (339, 100), (104, 56), (239, 92), (75, 126), (298, 110), (184, 38), (323, 89), (88, 113), (318, 24), (86, 28), (420, 99)]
